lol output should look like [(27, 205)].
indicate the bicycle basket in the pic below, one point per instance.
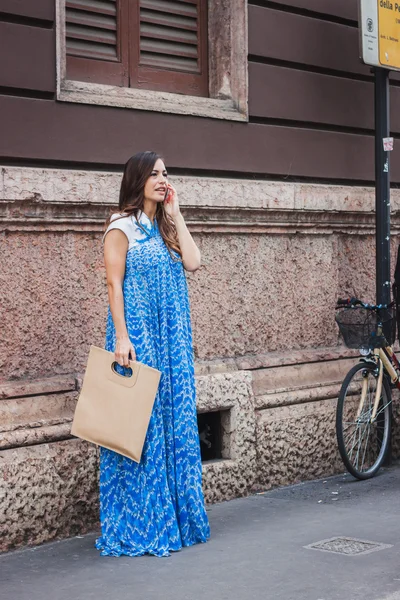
[(363, 328)]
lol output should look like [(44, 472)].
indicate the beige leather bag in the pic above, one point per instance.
[(114, 411)]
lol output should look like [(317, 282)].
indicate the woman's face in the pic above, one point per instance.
[(156, 185)]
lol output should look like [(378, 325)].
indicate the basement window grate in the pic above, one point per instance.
[(214, 433)]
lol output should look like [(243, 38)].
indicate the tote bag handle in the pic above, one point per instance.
[(125, 380)]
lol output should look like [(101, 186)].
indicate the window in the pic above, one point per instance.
[(156, 45), (184, 57)]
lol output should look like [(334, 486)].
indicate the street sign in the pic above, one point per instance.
[(380, 33)]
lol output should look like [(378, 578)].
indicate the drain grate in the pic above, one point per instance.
[(347, 545)]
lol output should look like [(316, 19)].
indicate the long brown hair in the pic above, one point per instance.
[(137, 170)]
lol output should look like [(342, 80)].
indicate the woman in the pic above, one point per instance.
[(156, 506)]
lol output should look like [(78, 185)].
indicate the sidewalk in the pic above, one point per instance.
[(257, 550)]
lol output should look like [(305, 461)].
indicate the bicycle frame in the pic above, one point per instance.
[(386, 359), (363, 412)]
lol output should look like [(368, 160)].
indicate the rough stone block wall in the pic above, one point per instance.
[(275, 258), (47, 491), (249, 303)]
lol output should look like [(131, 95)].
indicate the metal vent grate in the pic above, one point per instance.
[(91, 28), (169, 34), (347, 545)]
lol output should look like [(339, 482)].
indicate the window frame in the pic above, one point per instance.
[(227, 74)]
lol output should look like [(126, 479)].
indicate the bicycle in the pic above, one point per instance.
[(364, 408)]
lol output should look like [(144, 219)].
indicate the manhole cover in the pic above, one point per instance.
[(347, 545)]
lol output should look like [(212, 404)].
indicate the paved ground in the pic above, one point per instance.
[(257, 550)]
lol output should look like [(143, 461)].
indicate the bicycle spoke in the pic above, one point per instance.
[(360, 439), (351, 436), (358, 446), (380, 411), (366, 446), (355, 442)]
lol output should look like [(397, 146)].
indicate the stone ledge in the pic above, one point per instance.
[(36, 411), (273, 359), (293, 378), (107, 95), (42, 199), (99, 187), (294, 357), (48, 385), (31, 217), (34, 436), (297, 396)]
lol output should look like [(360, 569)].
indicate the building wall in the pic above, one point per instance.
[(281, 207), (310, 102)]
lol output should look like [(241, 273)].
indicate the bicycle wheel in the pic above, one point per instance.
[(363, 445)]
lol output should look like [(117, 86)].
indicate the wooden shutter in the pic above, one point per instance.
[(97, 41), (172, 51)]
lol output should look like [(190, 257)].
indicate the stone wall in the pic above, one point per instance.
[(275, 258)]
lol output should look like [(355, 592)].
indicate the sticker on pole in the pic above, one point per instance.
[(388, 144)]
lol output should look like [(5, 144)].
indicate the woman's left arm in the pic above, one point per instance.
[(191, 256)]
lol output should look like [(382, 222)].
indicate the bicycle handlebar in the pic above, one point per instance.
[(344, 302), (351, 302)]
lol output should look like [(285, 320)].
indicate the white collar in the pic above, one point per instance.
[(143, 219)]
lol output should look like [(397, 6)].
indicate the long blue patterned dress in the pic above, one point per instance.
[(156, 506)]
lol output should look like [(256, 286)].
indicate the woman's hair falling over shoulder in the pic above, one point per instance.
[(137, 170)]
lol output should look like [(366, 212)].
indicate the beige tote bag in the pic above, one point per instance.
[(114, 411)]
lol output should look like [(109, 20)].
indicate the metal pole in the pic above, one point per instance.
[(382, 197), (382, 187)]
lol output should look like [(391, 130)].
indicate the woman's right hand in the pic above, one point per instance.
[(124, 351)]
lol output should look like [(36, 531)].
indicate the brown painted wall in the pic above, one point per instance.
[(310, 100)]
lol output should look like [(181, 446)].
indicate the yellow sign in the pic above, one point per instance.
[(389, 33)]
